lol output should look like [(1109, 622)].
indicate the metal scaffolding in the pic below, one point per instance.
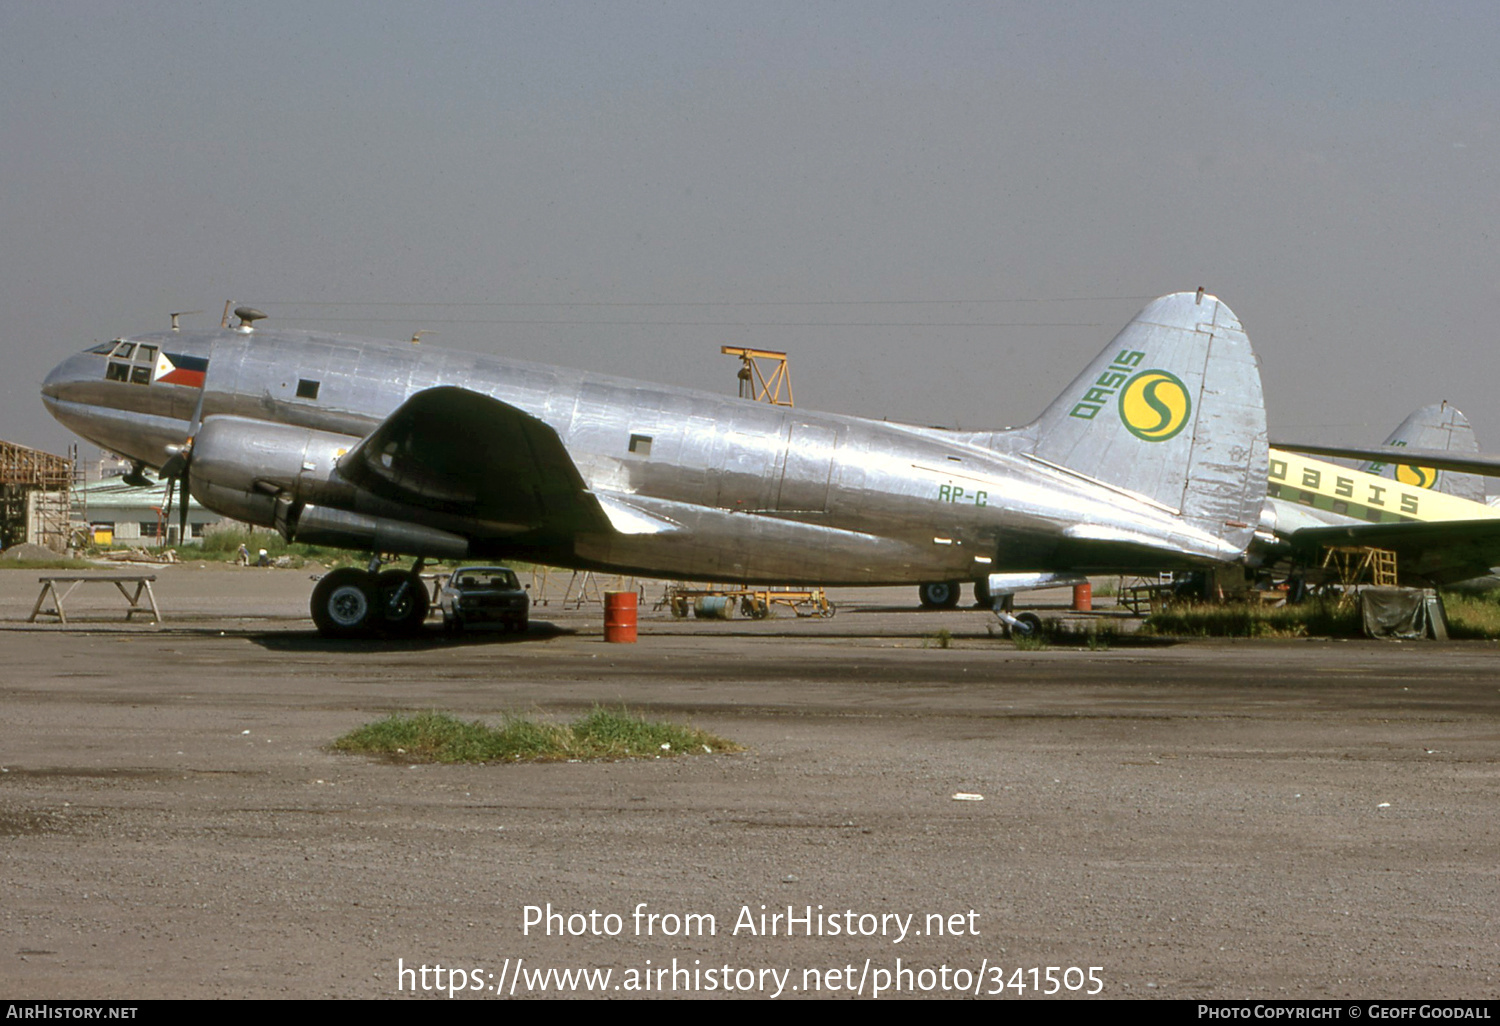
[(36, 491)]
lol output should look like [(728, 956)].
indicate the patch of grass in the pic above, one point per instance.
[(1472, 615), (47, 564), (1320, 619), (1031, 642), (602, 734), (224, 545), (942, 639)]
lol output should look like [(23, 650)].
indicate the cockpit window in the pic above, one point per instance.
[(102, 347), (134, 362)]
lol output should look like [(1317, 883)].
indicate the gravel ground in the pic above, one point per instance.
[(1215, 820)]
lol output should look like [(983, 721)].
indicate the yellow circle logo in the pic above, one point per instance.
[(1155, 405), (1421, 477)]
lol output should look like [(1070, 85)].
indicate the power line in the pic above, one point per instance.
[(705, 324), (701, 304)]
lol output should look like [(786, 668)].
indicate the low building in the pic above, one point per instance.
[(118, 513)]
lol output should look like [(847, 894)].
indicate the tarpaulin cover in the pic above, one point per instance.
[(1410, 613)]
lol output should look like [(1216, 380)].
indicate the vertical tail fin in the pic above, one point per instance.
[(1171, 410), (1439, 426)]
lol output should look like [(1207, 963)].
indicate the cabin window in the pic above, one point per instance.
[(307, 389), (1306, 498), (640, 445), (1340, 507)]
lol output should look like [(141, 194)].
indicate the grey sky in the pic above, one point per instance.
[(942, 211)]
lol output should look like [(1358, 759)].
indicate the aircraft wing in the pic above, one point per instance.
[(1439, 552), (1438, 459), (461, 452)]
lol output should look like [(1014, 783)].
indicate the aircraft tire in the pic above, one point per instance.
[(344, 603), (938, 594), (407, 615), (1033, 624), (982, 597)]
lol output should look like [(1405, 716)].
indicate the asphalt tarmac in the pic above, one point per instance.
[(1302, 819)]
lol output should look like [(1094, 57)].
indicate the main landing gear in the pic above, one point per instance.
[(938, 594), (945, 594), (353, 603)]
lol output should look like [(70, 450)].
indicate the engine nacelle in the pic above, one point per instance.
[(240, 466), (343, 529), (286, 477)]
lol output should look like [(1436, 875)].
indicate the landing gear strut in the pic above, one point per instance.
[(1021, 625)]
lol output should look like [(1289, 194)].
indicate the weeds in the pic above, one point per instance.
[(942, 639), (1325, 619), (602, 734), (1472, 615)]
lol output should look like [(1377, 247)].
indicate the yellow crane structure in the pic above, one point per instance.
[(755, 383)]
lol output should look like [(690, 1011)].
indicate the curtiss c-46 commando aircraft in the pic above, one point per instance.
[(1153, 458)]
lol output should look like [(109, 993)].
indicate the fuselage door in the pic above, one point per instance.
[(808, 468)]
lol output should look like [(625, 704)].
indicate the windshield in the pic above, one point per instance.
[(490, 577)]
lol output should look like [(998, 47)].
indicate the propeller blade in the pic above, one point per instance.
[(175, 466)]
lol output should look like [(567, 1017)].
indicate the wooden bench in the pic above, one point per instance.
[(142, 586)]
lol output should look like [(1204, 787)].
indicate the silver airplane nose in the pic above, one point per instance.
[(61, 382)]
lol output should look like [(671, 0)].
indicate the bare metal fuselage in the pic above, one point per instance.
[(694, 485)]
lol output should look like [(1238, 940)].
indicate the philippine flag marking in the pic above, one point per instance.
[(177, 369)]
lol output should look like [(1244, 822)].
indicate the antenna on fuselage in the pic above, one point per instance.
[(248, 315), (416, 339), (181, 313)]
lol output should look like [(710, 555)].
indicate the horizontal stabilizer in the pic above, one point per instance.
[(1440, 459)]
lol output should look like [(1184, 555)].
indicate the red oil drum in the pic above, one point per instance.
[(1083, 597), (619, 616)]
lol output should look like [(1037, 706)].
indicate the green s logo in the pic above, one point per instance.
[(1155, 405)]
